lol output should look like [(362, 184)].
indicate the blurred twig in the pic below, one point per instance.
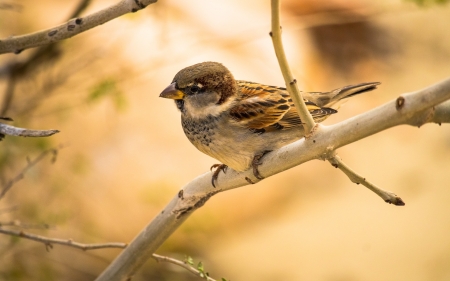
[(30, 164), (48, 242)]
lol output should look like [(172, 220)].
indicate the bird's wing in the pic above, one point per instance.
[(265, 108)]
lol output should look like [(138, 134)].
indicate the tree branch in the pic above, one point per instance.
[(291, 83), (48, 242), (17, 44), (415, 109)]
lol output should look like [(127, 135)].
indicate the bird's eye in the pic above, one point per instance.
[(195, 89)]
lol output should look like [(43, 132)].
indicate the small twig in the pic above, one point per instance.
[(184, 265), (30, 164), (48, 242), (21, 132), (387, 196), (291, 83)]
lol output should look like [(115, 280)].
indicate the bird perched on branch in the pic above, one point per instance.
[(238, 122)]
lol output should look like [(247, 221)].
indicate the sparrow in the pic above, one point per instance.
[(237, 122)]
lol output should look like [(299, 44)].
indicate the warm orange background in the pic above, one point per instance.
[(126, 156)]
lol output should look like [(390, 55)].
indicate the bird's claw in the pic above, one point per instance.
[(219, 167), (256, 162)]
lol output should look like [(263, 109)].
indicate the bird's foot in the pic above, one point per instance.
[(256, 162), (218, 167)]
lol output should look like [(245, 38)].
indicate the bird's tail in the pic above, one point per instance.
[(330, 99)]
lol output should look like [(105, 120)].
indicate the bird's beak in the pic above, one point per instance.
[(172, 93)]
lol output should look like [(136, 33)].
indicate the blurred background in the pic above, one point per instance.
[(124, 154)]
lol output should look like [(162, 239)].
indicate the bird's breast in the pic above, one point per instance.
[(200, 131)]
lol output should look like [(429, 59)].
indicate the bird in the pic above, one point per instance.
[(238, 122)]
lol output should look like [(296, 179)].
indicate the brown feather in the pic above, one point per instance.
[(270, 108)]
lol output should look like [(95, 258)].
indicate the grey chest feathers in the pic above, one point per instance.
[(200, 132)]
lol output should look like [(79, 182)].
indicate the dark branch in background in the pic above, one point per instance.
[(48, 242), (80, 8), (18, 177)]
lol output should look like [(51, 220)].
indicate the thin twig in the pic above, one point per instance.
[(387, 196), (48, 242), (22, 132), (291, 83), (16, 44), (29, 165), (184, 265)]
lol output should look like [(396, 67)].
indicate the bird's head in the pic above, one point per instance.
[(206, 88)]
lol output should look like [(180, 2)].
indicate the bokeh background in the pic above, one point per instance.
[(124, 154)]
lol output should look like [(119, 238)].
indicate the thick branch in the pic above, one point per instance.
[(21, 132), (48, 242), (407, 109), (291, 83), (71, 28)]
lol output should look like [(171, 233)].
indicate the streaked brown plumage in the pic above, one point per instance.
[(236, 122)]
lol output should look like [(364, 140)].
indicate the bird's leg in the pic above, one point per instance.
[(257, 161), (219, 167)]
